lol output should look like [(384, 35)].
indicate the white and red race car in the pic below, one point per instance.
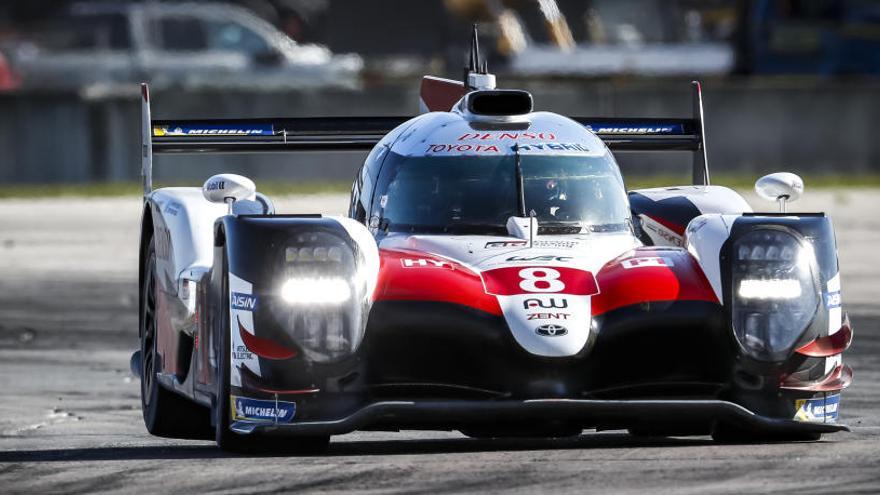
[(493, 276)]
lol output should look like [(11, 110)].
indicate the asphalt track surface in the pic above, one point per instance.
[(70, 418)]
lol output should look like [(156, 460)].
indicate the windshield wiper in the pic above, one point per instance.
[(577, 227)]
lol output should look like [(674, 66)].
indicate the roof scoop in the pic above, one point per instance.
[(498, 102)]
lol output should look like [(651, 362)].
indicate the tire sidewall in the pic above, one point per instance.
[(222, 413), (150, 407)]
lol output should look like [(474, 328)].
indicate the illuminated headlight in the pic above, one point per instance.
[(321, 295), (769, 289), (316, 291), (774, 296)]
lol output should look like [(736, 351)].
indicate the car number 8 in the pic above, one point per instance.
[(540, 280)]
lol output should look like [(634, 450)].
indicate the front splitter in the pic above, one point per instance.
[(456, 414)]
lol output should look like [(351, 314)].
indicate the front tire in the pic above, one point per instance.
[(166, 414)]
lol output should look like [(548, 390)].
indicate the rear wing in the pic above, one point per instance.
[(363, 133)]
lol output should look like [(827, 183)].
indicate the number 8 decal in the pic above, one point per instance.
[(512, 280), (540, 280)]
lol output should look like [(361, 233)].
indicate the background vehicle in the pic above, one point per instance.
[(502, 237), (189, 44)]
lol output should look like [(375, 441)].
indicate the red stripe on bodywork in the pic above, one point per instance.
[(678, 229), (402, 277), (647, 282), (829, 345), (440, 94), (264, 348)]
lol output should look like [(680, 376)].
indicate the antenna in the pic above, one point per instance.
[(475, 50), (476, 74)]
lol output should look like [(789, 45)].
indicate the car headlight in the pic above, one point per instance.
[(321, 295), (316, 291), (774, 296)]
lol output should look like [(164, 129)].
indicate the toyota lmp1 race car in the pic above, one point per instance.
[(492, 276)]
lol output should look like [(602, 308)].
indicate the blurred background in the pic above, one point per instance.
[(788, 84)]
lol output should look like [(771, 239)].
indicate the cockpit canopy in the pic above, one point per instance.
[(568, 194)]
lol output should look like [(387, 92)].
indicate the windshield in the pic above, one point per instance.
[(454, 194)]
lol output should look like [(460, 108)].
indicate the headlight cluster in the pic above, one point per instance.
[(321, 295), (774, 296)]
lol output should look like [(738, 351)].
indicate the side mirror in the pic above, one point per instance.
[(780, 187), (229, 188)]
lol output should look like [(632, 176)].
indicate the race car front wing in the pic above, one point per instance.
[(456, 414)]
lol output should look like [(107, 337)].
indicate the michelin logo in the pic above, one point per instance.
[(655, 129), (257, 130), (818, 409), (244, 409), (634, 130)]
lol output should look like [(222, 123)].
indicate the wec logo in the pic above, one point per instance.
[(545, 258), (246, 302)]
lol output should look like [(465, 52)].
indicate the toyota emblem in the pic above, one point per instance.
[(551, 330)]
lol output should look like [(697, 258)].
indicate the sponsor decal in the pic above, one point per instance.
[(666, 234), (556, 244), (246, 302), (242, 353), (552, 147), (461, 148), (547, 316), (832, 299), (424, 263), (504, 244), (537, 244), (216, 185), (506, 136), (637, 129), (551, 330), (214, 130), (172, 209), (818, 409), (552, 302), (647, 262), (533, 259), (695, 225), (245, 409)]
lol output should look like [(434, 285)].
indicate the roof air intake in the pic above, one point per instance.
[(499, 102)]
